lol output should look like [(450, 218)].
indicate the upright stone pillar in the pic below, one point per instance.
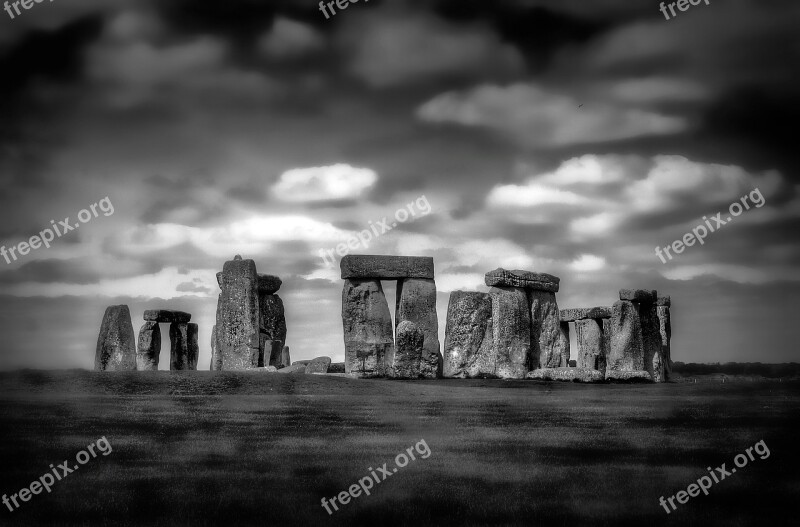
[(665, 329), (193, 346), (511, 331), (564, 339), (409, 350), (651, 340), (238, 328), (116, 348), (589, 337), (149, 348), (216, 356), (272, 320), (286, 359), (367, 323), (179, 346), (416, 302), (469, 337), (634, 336)]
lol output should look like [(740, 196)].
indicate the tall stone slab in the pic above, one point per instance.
[(238, 335), (179, 346), (216, 356), (193, 346), (149, 347), (511, 332), (549, 347), (383, 267), (286, 359), (626, 350), (565, 340), (409, 350), (116, 346), (368, 336), (651, 341), (273, 328), (589, 337), (468, 340), (665, 332), (416, 302)]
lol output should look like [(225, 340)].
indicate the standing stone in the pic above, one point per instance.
[(564, 340), (273, 353), (238, 316), (665, 331), (416, 302), (409, 350), (607, 333), (193, 346), (549, 346), (268, 284), (272, 327), (318, 365), (286, 359), (626, 351), (179, 346), (216, 356), (511, 332), (149, 347), (367, 326), (468, 339), (589, 336), (116, 347)]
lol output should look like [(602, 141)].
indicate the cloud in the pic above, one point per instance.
[(531, 195), (535, 117), (326, 183), (588, 262), (391, 47), (290, 39)]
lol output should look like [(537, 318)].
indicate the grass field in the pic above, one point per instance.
[(203, 448)]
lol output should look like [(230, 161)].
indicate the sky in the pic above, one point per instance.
[(558, 136)]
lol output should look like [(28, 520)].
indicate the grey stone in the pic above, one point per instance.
[(589, 337), (626, 351), (468, 339), (219, 279), (416, 302), (116, 346), (665, 332), (572, 315), (238, 316), (573, 364), (303, 362), (193, 346), (367, 324), (272, 320), (294, 368), (267, 369), (409, 348), (665, 301), (149, 347), (286, 359), (628, 376), (386, 267), (651, 342), (549, 345), (336, 367), (273, 353), (318, 365), (179, 346), (511, 332), (268, 284), (587, 375), (216, 356), (643, 296), (166, 316), (524, 279)]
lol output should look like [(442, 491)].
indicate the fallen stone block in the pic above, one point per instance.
[(594, 313), (166, 316), (468, 340), (294, 368), (267, 369), (318, 365), (386, 267), (587, 375), (525, 279), (116, 347), (303, 362), (336, 367), (642, 296)]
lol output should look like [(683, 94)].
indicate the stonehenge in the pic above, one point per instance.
[(514, 331), (369, 336)]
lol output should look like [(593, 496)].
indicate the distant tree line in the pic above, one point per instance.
[(787, 369)]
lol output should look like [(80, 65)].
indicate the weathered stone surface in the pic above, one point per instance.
[(386, 267), (193, 346), (572, 315), (273, 318), (294, 368), (408, 354), (336, 367), (607, 333), (665, 332), (268, 369), (238, 316), (628, 376), (286, 359), (216, 356), (303, 362), (318, 365), (626, 351), (665, 301), (567, 374), (148, 348), (564, 343), (367, 323), (651, 342), (268, 284), (179, 346), (273, 353), (219, 279), (549, 345), (643, 296), (525, 279), (116, 347), (166, 316), (589, 337), (572, 364), (468, 339), (511, 332), (416, 302)]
